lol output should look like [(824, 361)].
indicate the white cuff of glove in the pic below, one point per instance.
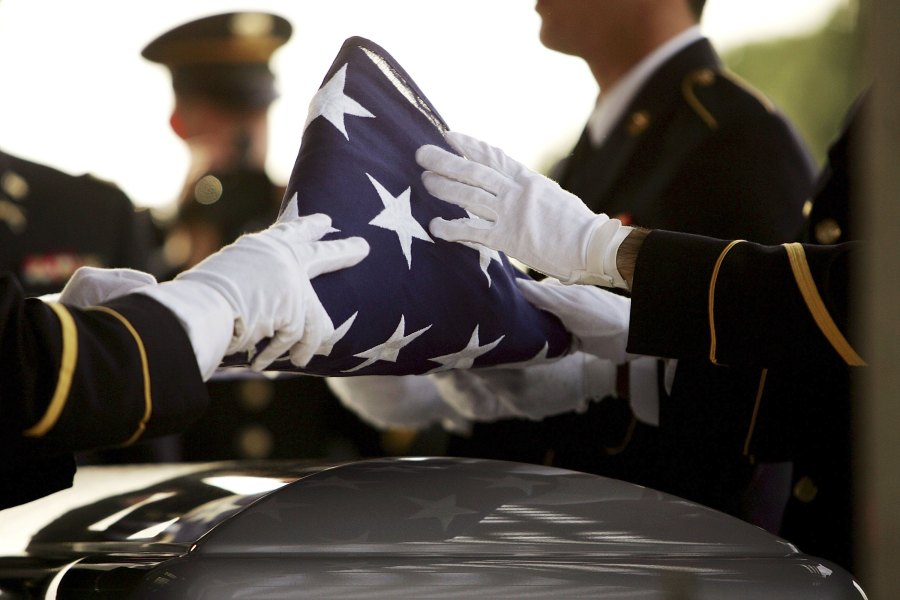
[(206, 316), (600, 256)]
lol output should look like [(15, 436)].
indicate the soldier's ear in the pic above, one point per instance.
[(176, 121)]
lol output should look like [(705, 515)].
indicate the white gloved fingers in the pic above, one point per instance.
[(550, 293), (305, 228), (90, 286), (482, 152), (317, 330), (543, 294), (324, 257), (298, 335), (277, 347), (461, 230), (596, 318), (453, 166), (474, 199)]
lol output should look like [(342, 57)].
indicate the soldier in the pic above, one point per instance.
[(782, 309), (675, 142), (224, 87), (89, 372), (51, 223)]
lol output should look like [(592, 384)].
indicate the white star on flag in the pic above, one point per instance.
[(390, 349), (465, 358), (397, 217), (339, 333), (331, 102), (290, 212), (485, 256)]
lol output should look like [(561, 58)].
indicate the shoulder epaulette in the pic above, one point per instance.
[(704, 77), (704, 104)]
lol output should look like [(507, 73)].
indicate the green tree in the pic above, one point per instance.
[(813, 79)]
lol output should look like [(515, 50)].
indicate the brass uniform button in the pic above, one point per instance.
[(704, 77), (255, 395), (638, 122), (14, 185), (14, 217), (828, 231), (805, 490)]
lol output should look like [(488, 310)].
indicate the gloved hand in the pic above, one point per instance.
[(533, 392), (409, 402), (259, 287), (522, 213), (597, 319), (90, 286)]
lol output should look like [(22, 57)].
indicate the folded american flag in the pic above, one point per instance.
[(416, 304)]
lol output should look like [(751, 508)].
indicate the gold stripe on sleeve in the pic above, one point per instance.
[(817, 309), (712, 298), (148, 399), (67, 363)]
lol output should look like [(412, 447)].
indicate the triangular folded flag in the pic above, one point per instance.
[(416, 304)]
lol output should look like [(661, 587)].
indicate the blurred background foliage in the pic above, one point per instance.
[(813, 79)]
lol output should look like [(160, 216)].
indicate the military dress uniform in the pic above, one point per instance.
[(699, 152), (51, 223), (78, 379), (785, 309)]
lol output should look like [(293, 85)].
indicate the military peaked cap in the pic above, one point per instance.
[(223, 57)]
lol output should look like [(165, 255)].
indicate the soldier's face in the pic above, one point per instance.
[(574, 26)]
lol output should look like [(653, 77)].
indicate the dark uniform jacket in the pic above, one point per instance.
[(695, 151), (77, 379), (51, 223), (785, 310)]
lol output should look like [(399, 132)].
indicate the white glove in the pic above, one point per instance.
[(522, 213), (532, 392), (597, 319), (90, 286), (259, 287), (386, 402)]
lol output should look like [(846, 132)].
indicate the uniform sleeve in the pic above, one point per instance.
[(742, 303), (110, 375)]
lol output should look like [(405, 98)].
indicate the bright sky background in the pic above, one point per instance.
[(78, 96)]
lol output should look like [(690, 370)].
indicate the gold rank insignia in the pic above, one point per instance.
[(638, 123), (828, 231)]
